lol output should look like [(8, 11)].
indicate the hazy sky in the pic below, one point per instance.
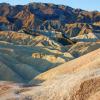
[(83, 4)]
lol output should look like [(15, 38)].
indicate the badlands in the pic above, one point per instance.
[(49, 52)]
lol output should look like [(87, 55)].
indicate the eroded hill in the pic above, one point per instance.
[(49, 52), (22, 56)]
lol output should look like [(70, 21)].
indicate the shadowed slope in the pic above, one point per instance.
[(27, 56)]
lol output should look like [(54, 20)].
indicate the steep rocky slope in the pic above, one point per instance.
[(52, 18)]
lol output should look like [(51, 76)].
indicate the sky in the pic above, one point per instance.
[(89, 5)]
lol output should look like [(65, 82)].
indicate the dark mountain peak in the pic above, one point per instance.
[(43, 16)]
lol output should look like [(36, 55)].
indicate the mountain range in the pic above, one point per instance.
[(47, 17)]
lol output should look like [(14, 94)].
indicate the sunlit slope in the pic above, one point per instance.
[(71, 66), (78, 79)]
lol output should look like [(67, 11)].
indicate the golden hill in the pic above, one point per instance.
[(78, 79), (71, 66)]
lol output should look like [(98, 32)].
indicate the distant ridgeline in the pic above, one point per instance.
[(48, 19)]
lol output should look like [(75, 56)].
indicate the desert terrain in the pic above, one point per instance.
[(49, 52)]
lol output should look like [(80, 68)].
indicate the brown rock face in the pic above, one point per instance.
[(58, 22), (34, 16), (26, 18)]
